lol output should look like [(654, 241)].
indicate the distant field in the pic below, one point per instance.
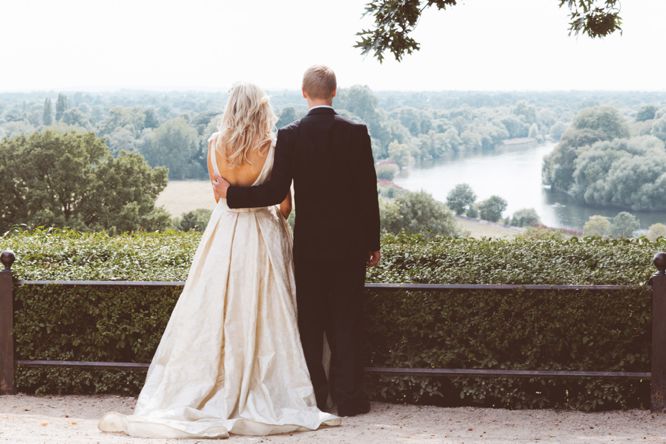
[(480, 228), (181, 196)]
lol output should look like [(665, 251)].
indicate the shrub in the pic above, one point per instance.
[(195, 220), (387, 171), (598, 226), (416, 213), (473, 329), (461, 198), (624, 224), (492, 208), (656, 231), (527, 217)]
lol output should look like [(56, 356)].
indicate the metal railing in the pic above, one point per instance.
[(657, 373)]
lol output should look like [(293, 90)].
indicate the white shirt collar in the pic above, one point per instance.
[(320, 106)]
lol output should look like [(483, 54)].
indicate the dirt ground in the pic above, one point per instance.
[(73, 420)]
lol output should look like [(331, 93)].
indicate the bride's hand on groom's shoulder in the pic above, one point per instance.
[(373, 258)]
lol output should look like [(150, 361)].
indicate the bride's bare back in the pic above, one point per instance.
[(244, 174)]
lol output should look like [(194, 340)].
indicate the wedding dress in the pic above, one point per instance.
[(230, 359)]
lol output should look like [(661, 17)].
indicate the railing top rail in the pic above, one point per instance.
[(374, 286)]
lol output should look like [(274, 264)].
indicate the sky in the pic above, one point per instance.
[(96, 45)]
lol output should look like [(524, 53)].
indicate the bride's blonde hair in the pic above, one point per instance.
[(247, 123)]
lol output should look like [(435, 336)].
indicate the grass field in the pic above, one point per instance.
[(181, 196)]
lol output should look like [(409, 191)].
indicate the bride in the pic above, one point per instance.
[(230, 359)]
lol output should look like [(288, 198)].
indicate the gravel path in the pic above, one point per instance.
[(73, 420)]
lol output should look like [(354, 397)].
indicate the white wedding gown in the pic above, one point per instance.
[(230, 359)]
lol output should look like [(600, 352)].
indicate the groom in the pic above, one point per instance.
[(336, 235)]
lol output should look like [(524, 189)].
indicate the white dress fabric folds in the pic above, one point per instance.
[(230, 359)]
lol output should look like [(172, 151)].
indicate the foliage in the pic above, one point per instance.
[(194, 220), (387, 171), (174, 145), (646, 112), (599, 164), (598, 226), (71, 180), (61, 106), (472, 212), (624, 224), (47, 114), (526, 217), (492, 208), (395, 21), (473, 329), (655, 231), (417, 213), (541, 233), (287, 116), (461, 198)]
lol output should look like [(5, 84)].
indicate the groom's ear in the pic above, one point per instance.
[(335, 91), (305, 95)]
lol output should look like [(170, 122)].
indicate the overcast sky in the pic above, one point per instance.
[(209, 44)]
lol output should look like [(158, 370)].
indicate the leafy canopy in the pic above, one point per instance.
[(395, 20)]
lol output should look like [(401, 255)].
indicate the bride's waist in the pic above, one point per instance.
[(223, 204)]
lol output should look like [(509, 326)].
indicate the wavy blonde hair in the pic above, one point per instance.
[(247, 124)]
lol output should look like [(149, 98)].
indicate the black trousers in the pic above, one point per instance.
[(330, 299)]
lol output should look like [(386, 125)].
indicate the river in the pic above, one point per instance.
[(516, 176)]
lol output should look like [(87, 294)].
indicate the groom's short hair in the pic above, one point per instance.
[(319, 82)]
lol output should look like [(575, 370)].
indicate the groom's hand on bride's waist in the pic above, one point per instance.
[(373, 258), (221, 186)]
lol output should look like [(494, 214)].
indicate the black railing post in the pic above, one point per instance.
[(658, 351), (7, 358)]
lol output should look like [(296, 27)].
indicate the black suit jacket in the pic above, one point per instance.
[(330, 161)]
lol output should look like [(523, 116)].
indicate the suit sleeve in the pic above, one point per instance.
[(367, 183), (274, 190)]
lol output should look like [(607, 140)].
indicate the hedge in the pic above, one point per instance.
[(471, 329)]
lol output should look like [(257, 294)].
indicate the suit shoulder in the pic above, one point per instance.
[(356, 126), (289, 128)]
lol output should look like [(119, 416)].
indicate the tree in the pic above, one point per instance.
[(287, 116), (395, 21), (61, 106), (492, 208), (646, 112), (624, 224), (655, 231), (150, 119), (75, 117), (194, 220), (598, 226), (461, 198), (400, 154), (623, 173), (590, 125), (47, 114), (659, 128), (387, 171), (526, 217), (71, 180), (174, 145), (417, 213)]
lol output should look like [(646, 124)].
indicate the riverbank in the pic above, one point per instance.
[(73, 420)]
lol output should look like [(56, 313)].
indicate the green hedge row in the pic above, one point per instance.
[(479, 329)]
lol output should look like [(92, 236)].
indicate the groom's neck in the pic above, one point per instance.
[(319, 102)]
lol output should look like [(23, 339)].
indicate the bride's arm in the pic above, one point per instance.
[(211, 173), (286, 205)]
